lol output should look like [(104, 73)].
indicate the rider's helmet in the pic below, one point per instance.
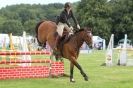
[(67, 4)]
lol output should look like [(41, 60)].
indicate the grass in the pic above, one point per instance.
[(99, 76)]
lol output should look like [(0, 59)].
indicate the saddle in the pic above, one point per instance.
[(60, 43), (65, 37)]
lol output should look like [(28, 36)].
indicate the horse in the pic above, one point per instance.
[(46, 31)]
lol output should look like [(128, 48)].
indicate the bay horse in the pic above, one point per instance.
[(46, 31)]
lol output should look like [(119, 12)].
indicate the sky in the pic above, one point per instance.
[(4, 3)]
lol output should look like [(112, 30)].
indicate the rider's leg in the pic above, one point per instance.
[(69, 29), (60, 28), (70, 32)]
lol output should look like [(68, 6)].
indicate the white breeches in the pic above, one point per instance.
[(60, 28)]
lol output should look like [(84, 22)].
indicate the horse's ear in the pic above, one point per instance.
[(90, 29)]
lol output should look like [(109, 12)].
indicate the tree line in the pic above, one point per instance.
[(24, 17), (107, 17), (103, 16)]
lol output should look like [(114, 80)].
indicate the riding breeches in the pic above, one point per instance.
[(60, 28)]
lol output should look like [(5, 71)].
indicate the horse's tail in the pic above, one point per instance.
[(36, 30)]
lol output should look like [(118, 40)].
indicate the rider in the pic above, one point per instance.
[(62, 21), (65, 15)]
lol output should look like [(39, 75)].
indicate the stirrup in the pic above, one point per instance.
[(55, 51)]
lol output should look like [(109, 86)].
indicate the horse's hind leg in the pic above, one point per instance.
[(73, 60)]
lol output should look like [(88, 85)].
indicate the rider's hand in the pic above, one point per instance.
[(71, 28), (78, 26)]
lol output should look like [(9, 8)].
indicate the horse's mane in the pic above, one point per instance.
[(78, 31), (83, 29), (75, 34)]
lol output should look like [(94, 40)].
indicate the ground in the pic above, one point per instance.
[(99, 76)]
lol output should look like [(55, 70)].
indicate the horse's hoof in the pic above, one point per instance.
[(86, 78), (72, 80)]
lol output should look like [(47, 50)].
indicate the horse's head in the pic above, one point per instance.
[(87, 35)]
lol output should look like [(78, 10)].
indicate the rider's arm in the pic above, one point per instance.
[(66, 20), (74, 19)]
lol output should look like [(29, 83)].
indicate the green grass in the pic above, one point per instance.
[(99, 76)]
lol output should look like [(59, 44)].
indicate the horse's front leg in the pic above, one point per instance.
[(73, 60), (71, 72)]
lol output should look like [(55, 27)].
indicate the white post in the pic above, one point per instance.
[(25, 49), (123, 52), (104, 44), (109, 52)]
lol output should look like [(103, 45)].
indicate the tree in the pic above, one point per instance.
[(122, 16), (26, 16), (29, 26), (12, 26), (2, 20), (96, 14)]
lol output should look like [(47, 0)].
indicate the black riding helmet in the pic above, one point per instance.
[(67, 4)]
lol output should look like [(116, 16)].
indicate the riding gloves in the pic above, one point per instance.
[(71, 28), (78, 26)]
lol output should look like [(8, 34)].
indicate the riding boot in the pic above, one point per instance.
[(66, 38), (57, 42), (56, 51)]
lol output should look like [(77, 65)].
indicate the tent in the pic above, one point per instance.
[(98, 42), (122, 41)]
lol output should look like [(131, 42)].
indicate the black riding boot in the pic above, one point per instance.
[(56, 50), (57, 42), (66, 38)]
